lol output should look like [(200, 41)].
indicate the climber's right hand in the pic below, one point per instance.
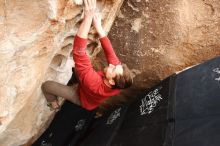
[(97, 23), (89, 9)]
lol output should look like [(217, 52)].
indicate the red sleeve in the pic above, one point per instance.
[(109, 51), (83, 65)]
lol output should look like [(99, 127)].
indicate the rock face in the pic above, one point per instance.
[(159, 37), (35, 45), (156, 38)]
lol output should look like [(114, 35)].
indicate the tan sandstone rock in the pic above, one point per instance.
[(35, 45)]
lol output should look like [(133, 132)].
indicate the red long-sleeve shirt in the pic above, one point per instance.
[(92, 89)]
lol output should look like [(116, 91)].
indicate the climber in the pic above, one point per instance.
[(94, 87)]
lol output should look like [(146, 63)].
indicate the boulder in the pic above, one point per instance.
[(36, 45)]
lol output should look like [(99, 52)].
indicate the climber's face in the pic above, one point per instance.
[(111, 71)]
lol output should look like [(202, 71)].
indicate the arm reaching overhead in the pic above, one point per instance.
[(105, 42), (82, 62)]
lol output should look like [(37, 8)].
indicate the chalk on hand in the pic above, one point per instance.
[(78, 2)]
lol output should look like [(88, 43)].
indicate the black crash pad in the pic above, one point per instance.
[(67, 127), (183, 110)]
